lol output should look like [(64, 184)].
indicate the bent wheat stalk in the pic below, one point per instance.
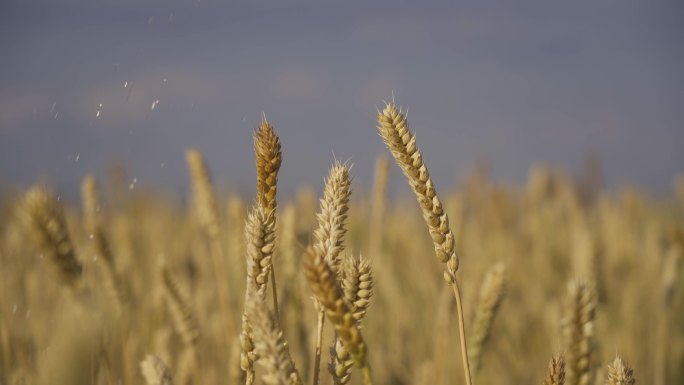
[(394, 130)]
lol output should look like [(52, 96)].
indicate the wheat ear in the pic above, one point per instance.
[(329, 236), (578, 331), (332, 218), (260, 237), (155, 371), (324, 284), (270, 345), (555, 374), (46, 222), (491, 294), (268, 159), (357, 285), (180, 310), (619, 373), (394, 130)]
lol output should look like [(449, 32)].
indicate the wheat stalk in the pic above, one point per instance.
[(329, 235), (268, 159), (394, 130), (619, 373), (578, 331), (555, 374), (491, 294), (93, 225)]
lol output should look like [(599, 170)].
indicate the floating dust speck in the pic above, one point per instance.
[(52, 109), (99, 111), (154, 104), (78, 156)]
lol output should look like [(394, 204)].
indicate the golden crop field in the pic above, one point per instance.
[(556, 282)]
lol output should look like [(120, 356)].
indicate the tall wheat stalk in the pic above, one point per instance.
[(268, 159), (394, 130)]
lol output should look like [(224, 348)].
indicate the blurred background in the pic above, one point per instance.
[(88, 84)]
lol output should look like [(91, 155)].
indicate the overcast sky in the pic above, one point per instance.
[(512, 82)]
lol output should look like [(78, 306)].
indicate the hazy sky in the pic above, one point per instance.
[(513, 82)]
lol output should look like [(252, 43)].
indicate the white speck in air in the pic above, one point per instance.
[(94, 257), (52, 109), (126, 84), (78, 156), (154, 104), (56, 114), (99, 110), (59, 198), (91, 236)]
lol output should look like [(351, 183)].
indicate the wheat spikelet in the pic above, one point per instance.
[(268, 160), (555, 374), (620, 373), (332, 217), (46, 222), (155, 371), (394, 130), (270, 345), (491, 294), (260, 236), (325, 287), (182, 315), (578, 332)]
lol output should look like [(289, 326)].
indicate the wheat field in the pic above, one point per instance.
[(555, 282)]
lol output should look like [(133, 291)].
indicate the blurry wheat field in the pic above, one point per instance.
[(132, 274)]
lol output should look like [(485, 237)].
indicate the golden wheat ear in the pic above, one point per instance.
[(394, 130), (491, 295), (578, 332), (270, 345), (619, 373), (45, 220), (555, 374), (327, 291), (155, 371), (268, 160)]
